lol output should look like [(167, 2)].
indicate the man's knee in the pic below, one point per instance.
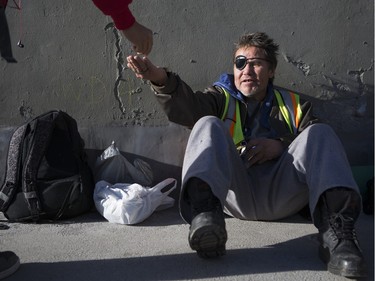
[(208, 120), (212, 125), (320, 129), (319, 134)]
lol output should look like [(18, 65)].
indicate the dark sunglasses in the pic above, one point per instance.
[(241, 61)]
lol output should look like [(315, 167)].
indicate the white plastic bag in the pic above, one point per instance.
[(125, 203), (113, 167)]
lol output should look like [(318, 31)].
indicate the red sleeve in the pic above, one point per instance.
[(3, 3), (118, 10)]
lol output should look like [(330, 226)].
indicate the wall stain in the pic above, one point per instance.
[(135, 91), (341, 90), (358, 76), (25, 111), (361, 106), (336, 85), (302, 66)]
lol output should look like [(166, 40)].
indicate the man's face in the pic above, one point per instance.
[(253, 79)]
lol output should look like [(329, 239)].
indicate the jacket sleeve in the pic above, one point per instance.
[(3, 3), (118, 10), (184, 106)]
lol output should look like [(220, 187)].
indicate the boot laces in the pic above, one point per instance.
[(343, 227)]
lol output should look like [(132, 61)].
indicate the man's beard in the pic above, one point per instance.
[(256, 93), (252, 93)]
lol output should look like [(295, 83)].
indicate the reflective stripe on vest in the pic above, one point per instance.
[(289, 106), (232, 118)]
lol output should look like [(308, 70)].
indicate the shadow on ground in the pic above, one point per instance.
[(237, 262)]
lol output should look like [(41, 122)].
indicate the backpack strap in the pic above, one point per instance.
[(13, 167)]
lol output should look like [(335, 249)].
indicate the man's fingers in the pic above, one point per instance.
[(255, 155), (137, 64), (143, 49)]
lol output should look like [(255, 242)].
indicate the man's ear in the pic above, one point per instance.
[(271, 73)]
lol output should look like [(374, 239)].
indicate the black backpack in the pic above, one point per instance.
[(47, 176)]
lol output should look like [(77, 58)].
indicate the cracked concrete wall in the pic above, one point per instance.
[(74, 60)]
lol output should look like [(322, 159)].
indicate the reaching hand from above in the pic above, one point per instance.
[(141, 38)]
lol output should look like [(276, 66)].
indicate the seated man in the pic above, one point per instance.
[(256, 152)]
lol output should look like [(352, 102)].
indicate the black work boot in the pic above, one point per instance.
[(207, 233), (338, 209)]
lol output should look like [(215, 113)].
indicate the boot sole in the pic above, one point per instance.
[(209, 241), (349, 273)]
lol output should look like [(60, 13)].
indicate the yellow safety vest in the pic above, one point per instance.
[(289, 105)]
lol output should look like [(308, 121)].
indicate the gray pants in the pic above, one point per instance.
[(313, 163)]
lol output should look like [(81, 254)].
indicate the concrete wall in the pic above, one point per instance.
[(73, 60)]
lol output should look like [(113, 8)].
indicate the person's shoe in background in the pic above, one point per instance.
[(9, 263)]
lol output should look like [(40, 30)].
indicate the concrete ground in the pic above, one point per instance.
[(90, 248)]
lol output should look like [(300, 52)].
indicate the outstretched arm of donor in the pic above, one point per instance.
[(145, 69), (139, 35)]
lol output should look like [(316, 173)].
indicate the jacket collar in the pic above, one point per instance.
[(226, 81)]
